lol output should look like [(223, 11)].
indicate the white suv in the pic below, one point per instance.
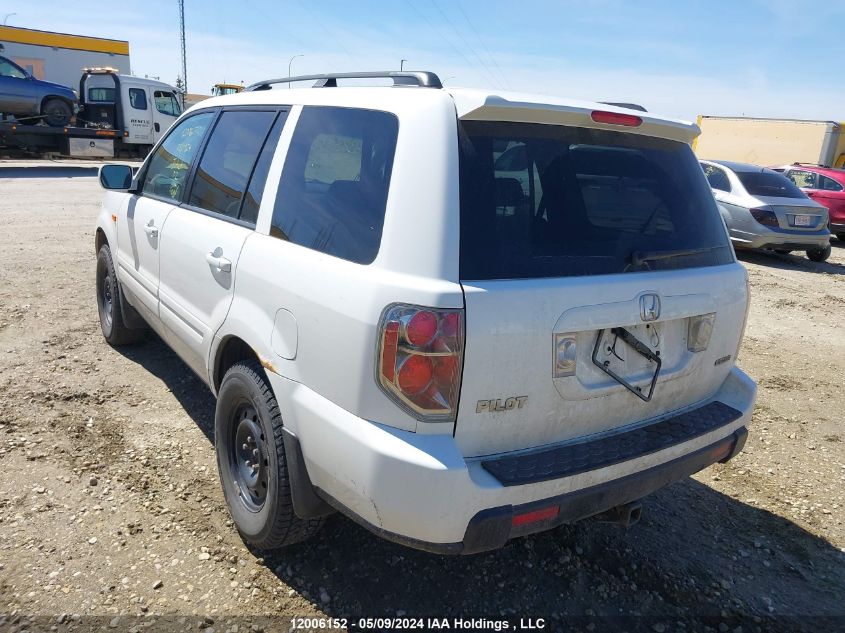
[(455, 316)]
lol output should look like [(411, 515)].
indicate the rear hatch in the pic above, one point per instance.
[(580, 244), (795, 212)]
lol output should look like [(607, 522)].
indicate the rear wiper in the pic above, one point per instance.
[(640, 257)]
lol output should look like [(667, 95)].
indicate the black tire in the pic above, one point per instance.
[(56, 112), (253, 470), (819, 254), (108, 303), (840, 237)]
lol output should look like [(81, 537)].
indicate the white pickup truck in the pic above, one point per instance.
[(455, 316)]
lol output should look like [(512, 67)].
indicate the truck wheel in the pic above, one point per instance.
[(819, 254), (56, 112), (108, 303), (251, 461), (840, 237)]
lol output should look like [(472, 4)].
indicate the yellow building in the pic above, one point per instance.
[(60, 57), (768, 142)]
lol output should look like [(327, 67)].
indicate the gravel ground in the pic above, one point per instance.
[(111, 513)]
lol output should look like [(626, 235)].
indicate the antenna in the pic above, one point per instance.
[(184, 61)]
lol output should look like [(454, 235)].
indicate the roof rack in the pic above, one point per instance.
[(421, 78)]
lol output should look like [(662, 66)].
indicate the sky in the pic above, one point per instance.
[(682, 58)]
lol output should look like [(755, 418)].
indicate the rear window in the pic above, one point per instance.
[(553, 201), (766, 183)]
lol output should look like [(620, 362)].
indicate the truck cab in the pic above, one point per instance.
[(144, 109)]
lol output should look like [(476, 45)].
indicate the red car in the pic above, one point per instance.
[(826, 186)]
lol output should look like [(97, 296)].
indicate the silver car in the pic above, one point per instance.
[(764, 209)]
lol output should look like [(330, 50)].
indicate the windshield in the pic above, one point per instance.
[(552, 201), (767, 183)]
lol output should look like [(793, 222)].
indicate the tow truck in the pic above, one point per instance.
[(119, 116)]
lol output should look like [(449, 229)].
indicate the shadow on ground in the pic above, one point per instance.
[(697, 556), (46, 171), (795, 261)]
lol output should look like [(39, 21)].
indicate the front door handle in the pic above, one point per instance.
[(151, 229), (215, 260)]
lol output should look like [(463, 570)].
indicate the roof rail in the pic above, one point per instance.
[(628, 106), (421, 78)]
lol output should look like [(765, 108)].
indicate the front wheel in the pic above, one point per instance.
[(56, 112), (252, 463), (819, 254), (109, 309)]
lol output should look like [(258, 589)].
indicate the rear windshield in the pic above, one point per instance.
[(552, 201), (764, 183)]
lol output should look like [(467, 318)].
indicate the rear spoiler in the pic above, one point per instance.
[(479, 106)]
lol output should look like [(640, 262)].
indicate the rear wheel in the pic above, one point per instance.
[(840, 237), (252, 462), (56, 112), (109, 308), (819, 254)]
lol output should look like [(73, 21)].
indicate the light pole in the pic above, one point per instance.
[(8, 15), (402, 64), (289, 64)]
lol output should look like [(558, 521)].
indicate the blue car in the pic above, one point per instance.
[(32, 100)]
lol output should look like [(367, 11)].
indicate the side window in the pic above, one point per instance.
[(169, 165), (717, 178), (166, 103), (252, 200), (138, 98), (228, 159), (333, 190), (8, 69), (803, 179), (829, 184)]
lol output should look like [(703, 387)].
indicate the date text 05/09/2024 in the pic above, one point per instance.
[(424, 624)]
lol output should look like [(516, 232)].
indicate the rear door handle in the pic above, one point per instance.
[(151, 229), (220, 263)]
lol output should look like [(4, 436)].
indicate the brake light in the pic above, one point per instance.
[(765, 217), (420, 355), (616, 118)]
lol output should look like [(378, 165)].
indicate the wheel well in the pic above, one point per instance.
[(60, 98), (232, 350), (99, 240)]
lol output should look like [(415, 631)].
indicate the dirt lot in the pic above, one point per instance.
[(110, 504)]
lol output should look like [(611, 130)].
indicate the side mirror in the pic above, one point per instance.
[(116, 177)]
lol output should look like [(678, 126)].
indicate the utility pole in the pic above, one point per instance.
[(184, 59)]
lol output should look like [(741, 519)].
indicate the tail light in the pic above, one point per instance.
[(419, 360), (765, 217)]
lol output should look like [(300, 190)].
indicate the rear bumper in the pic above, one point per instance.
[(418, 489), (786, 240)]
